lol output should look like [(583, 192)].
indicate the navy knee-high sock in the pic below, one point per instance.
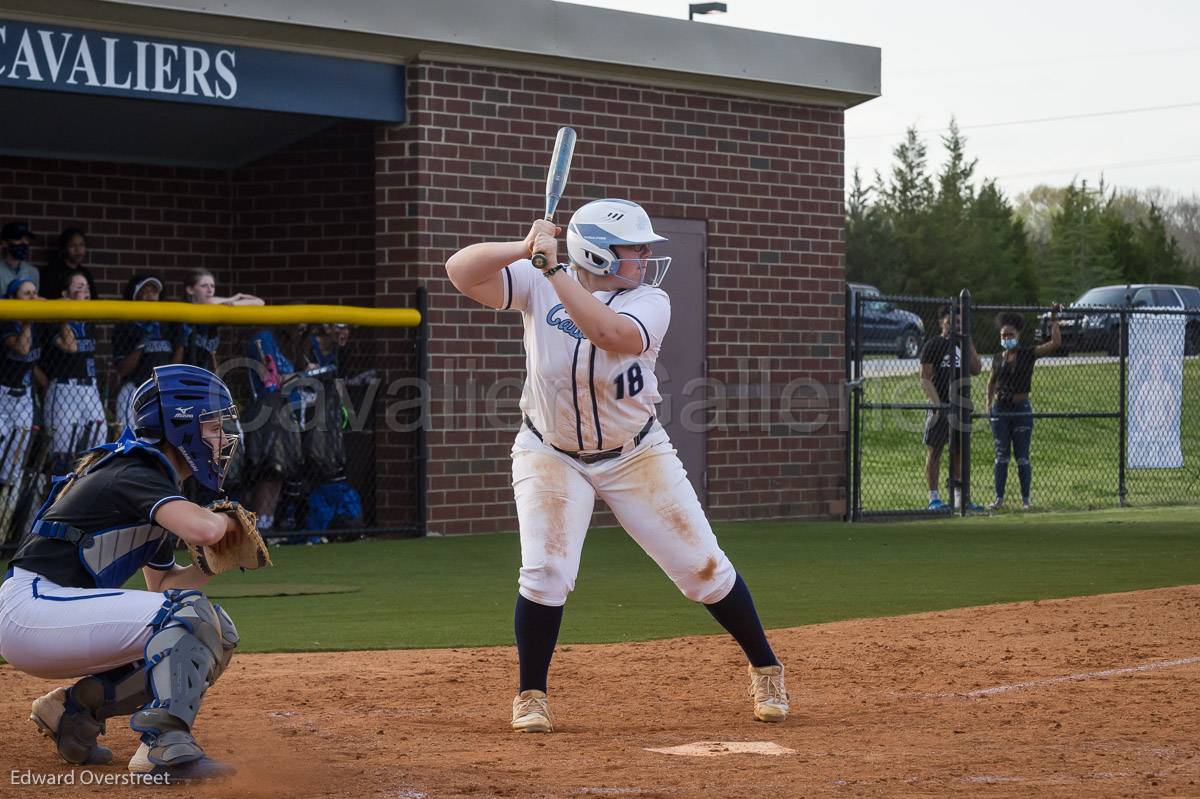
[(736, 613), (537, 632), (1000, 474)]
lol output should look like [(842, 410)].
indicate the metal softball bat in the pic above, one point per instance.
[(556, 178)]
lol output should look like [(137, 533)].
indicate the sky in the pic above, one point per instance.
[(991, 64)]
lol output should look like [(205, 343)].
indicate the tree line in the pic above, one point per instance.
[(919, 233)]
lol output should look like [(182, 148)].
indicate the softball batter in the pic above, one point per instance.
[(63, 613), (592, 337)]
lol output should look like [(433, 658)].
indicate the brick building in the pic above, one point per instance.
[(355, 187)]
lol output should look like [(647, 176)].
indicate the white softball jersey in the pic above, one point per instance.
[(582, 398)]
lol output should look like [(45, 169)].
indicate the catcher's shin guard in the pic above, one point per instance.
[(192, 645), (74, 717)]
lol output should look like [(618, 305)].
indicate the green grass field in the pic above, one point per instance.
[(449, 592), (1075, 461)]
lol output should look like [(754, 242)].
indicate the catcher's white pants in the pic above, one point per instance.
[(647, 490), (75, 416), (54, 632)]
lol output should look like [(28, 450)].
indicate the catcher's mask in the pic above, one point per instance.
[(192, 410)]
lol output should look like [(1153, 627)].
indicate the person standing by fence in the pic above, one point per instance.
[(138, 347), (197, 344), (1008, 406), (941, 359), (17, 362), (74, 412), (72, 252)]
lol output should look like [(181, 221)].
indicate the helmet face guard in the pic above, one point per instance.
[(192, 410), (600, 226), (659, 265), (228, 429)]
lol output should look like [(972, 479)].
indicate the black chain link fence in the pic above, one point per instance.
[(313, 401), (1111, 417)]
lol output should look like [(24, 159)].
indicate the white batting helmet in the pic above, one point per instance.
[(596, 227)]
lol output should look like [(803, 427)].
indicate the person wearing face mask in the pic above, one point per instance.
[(1008, 405), (16, 237), (138, 347)]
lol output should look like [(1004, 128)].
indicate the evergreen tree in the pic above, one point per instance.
[(905, 202), (951, 258), (871, 254), (1077, 256), (1158, 250)]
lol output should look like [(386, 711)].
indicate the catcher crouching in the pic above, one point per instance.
[(152, 654)]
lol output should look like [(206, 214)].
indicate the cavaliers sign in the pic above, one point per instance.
[(50, 57)]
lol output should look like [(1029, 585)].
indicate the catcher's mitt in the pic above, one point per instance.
[(242, 548)]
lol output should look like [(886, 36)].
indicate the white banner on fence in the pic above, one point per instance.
[(1155, 391)]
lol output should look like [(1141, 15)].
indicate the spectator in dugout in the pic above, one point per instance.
[(197, 344), (138, 347), (15, 239), (72, 252), (1008, 406), (73, 410), (18, 365), (941, 359), (274, 452)]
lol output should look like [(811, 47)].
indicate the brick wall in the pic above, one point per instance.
[(159, 219), (767, 179), (303, 220)]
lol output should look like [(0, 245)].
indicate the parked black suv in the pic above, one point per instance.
[(1084, 330), (886, 328)]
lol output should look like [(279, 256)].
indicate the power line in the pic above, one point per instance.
[(1038, 120), (1115, 165)]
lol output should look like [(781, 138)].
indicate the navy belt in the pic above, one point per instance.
[(75, 381), (13, 391), (594, 456)]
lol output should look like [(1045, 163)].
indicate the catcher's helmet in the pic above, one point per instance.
[(173, 405), (596, 227)]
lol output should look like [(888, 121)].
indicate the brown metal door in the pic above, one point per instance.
[(681, 361)]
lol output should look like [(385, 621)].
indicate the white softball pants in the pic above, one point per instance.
[(647, 490), (16, 427), (54, 632), (75, 416)]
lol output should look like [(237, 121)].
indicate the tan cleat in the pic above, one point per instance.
[(140, 762), (531, 712), (73, 728), (769, 694)]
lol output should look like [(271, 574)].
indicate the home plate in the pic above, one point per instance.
[(718, 748)]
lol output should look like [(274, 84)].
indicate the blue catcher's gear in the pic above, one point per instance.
[(602, 224), (192, 644), (175, 404)]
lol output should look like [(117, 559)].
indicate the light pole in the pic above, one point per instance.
[(705, 8)]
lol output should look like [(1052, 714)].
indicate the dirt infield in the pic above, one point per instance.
[(1095, 696)]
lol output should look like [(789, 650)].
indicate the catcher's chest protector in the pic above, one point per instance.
[(111, 556)]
